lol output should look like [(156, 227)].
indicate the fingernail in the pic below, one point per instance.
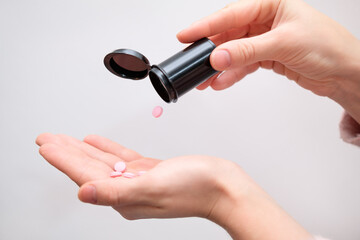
[(220, 74), (89, 193), (221, 59)]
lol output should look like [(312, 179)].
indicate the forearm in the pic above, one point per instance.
[(263, 219), (253, 215)]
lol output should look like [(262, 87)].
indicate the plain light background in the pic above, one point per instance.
[(52, 79)]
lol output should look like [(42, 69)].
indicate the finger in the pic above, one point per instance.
[(279, 68), (228, 35), (90, 150), (111, 147), (267, 64), (208, 82), (235, 15), (231, 76), (118, 192), (291, 75), (47, 138), (74, 163), (246, 51)]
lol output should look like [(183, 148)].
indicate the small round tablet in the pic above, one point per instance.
[(128, 175), (157, 111), (115, 174), (120, 166)]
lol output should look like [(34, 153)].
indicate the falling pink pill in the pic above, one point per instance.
[(115, 174), (128, 175), (157, 111), (120, 167)]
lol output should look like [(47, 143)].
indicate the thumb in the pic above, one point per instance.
[(245, 51), (112, 192)]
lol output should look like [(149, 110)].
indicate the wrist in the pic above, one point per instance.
[(245, 211), (348, 91)]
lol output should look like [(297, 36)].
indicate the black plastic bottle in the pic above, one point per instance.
[(173, 77)]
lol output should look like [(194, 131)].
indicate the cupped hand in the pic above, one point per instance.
[(289, 37), (201, 186), (179, 187)]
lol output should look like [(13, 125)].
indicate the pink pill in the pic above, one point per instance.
[(157, 111), (120, 166), (115, 174), (129, 175)]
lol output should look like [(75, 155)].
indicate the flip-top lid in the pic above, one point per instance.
[(127, 63)]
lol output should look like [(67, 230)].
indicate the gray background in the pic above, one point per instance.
[(52, 79)]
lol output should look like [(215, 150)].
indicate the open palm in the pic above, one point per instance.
[(178, 187)]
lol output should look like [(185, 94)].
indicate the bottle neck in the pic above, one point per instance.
[(162, 84)]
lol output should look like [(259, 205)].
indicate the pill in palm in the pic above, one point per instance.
[(120, 170), (115, 174), (157, 111), (129, 175), (120, 167)]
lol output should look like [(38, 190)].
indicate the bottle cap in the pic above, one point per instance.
[(127, 63)]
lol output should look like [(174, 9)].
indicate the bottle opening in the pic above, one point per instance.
[(159, 86)]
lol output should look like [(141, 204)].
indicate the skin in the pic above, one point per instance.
[(187, 186), (287, 36)]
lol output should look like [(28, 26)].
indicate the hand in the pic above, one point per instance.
[(289, 37), (201, 186), (179, 187)]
